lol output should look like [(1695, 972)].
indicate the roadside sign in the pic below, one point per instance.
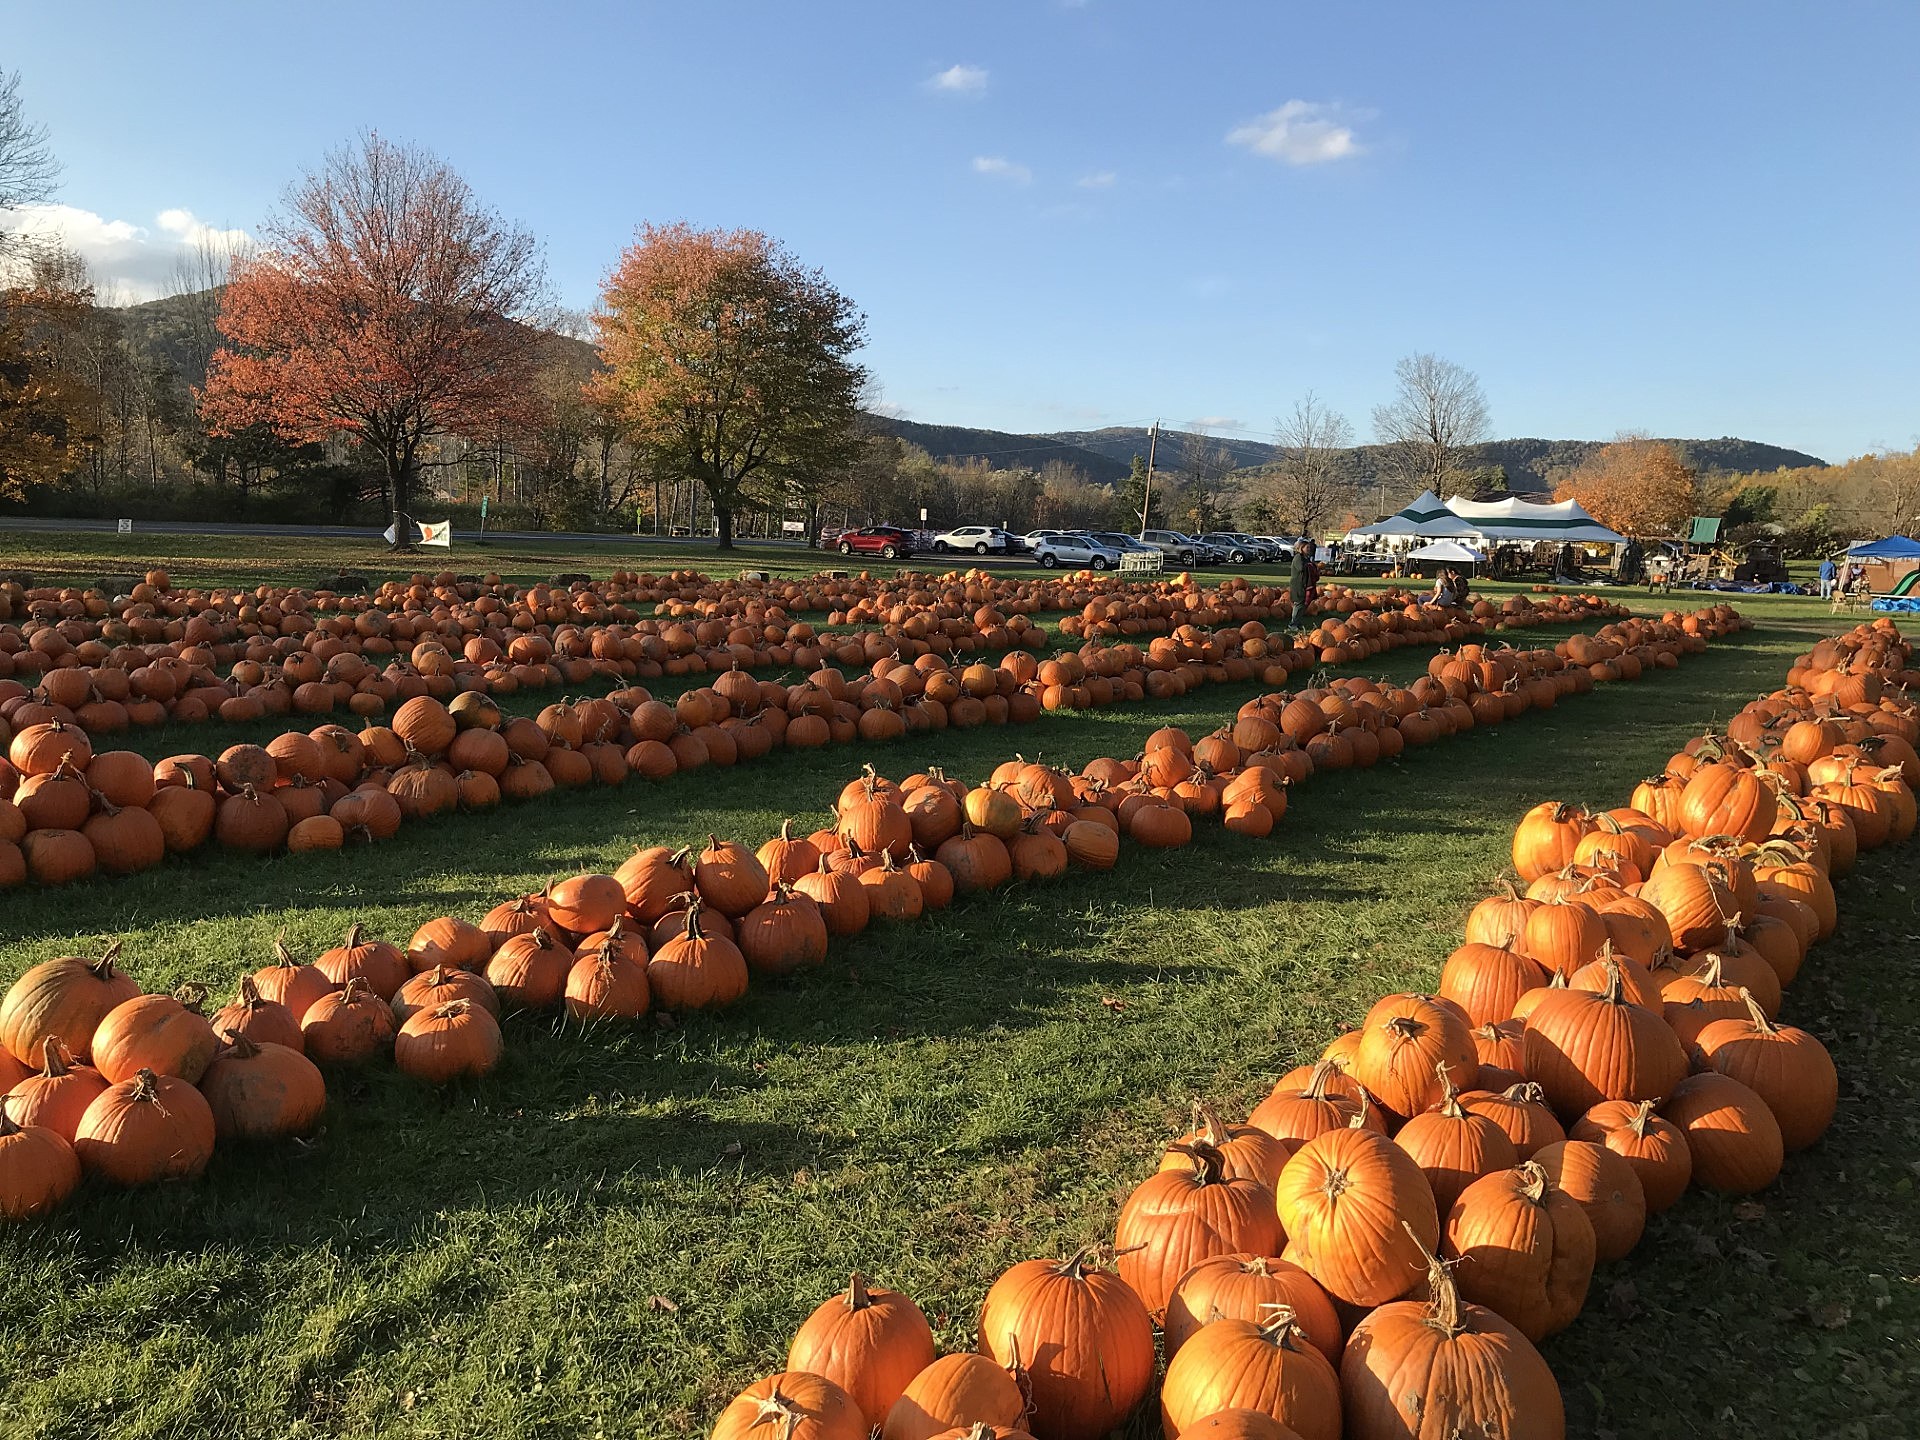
[(483, 506), (126, 527), (923, 514), (793, 527)]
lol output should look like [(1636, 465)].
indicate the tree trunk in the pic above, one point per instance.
[(400, 476), (723, 521)]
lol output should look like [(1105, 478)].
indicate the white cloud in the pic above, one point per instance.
[(1215, 422), (1099, 180), (998, 167), (959, 80), (1302, 132), (128, 262)]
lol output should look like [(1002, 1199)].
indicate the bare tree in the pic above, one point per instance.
[(198, 281), (1437, 411), (1310, 485), (28, 171)]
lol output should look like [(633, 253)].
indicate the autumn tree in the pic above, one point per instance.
[(385, 305), (1634, 485), (731, 361), (1437, 410), (45, 402), (1310, 486)]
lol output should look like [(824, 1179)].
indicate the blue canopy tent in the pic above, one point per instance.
[(1894, 547)]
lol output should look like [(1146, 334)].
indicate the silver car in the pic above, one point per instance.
[(1173, 545), (1075, 551)]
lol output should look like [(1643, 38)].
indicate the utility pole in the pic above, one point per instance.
[(1146, 503)]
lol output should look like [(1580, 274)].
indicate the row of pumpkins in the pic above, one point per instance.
[(67, 812), (116, 1089), (1376, 1253)]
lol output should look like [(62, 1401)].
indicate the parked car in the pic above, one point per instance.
[(1174, 545), (980, 539), (889, 542), (1125, 544), (1030, 542), (1236, 549), (1075, 551)]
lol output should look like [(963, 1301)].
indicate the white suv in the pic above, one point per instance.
[(980, 539), (1075, 550)]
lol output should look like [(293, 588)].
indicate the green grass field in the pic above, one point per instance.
[(617, 1229)]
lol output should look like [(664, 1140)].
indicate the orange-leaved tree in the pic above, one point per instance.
[(386, 305), (1635, 485), (730, 362)]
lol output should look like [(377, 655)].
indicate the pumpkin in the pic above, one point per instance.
[(934, 879), (1250, 1287), (870, 1342), (1342, 1200), (1091, 846), (586, 903), (977, 860), (1502, 1049), (791, 1406), (1266, 1366), (1694, 901), (1246, 1151), (1727, 799), (609, 981), (696, 971), (38, 1169), (166, 1034), (146, 1129), (1500, 919), (529, 971), (1655, 1147), (1176, 1218), (955, 1391), (440, 985), (1524, 1249), (1411, 1047), (348, 1026), (1086, 1337), (57, 1095), (262, 1091), (785, 933), (655, 879), (785, 858), (1583, 1048), (448, 1042), (1417, 1370), (1546, 839), (1328, 1101), (261, 1020), (1238, 1425), (381, 965), (1522, 1112), (252, 820), (446, 940), (185, 814), (1605, 1186), (728, 877), (65, 999), (290, 983), (1563, 935), (1454, 1147), (1732, 1136), (1785, 1066), (1486, 980)]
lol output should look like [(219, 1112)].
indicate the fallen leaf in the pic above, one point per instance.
[(732, 1148), (1829, 1315), (1623, 1300), (661, 1302), (1749, 1210), (1116, 1006)]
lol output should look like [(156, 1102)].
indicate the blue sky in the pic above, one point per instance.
[(1690, 219)]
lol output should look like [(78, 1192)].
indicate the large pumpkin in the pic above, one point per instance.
[(1346, 1200), (1732, 1136), (1785, 1066), (1546, 838), (1524, 1249), (149, 1128), (166, 1034), (1656, 1148), (953, 1392), (1177, 1218), (65, 999), (870, 1341), (38, 1169), (1583, 1048), (1454, 1147), (263, 1091), (56, 1097), (697, 971), (1430, 1370), (1265, 1366), (1411, 1048), (791, 1406), (1606, 1187), (1248, 1287), (1083, 1334), (1726, 799)]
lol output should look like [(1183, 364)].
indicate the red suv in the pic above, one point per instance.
[(887, 541)]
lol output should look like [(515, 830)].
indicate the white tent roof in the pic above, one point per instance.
[(1516, 519), (1446, 550), (1425, 516)]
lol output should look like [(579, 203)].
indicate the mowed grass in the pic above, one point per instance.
[(620, 1228)]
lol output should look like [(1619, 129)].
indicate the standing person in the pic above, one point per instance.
[(1300, 581), (1829, 572)]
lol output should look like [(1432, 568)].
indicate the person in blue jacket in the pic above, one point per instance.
[(1829, 572)]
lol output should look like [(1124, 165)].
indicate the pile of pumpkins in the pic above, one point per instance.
[(67, 812), (1376, 1253), (678, 930)]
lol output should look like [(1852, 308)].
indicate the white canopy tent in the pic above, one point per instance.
[(1525, 521), (1448, 551), (1425, 516)]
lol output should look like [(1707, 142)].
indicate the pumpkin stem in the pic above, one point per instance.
[(1282, 1325), (249, 992), (1615, 993), (1405, 1027), (239, 1046), (693, 931), (857, 1297), (103, 967), (1443, 1303), (1449, 1093), (1760, 1020), (192, 997), (54, 1057), (1527, 1092), (353, 937), (1209, 1165), (352, 992)]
